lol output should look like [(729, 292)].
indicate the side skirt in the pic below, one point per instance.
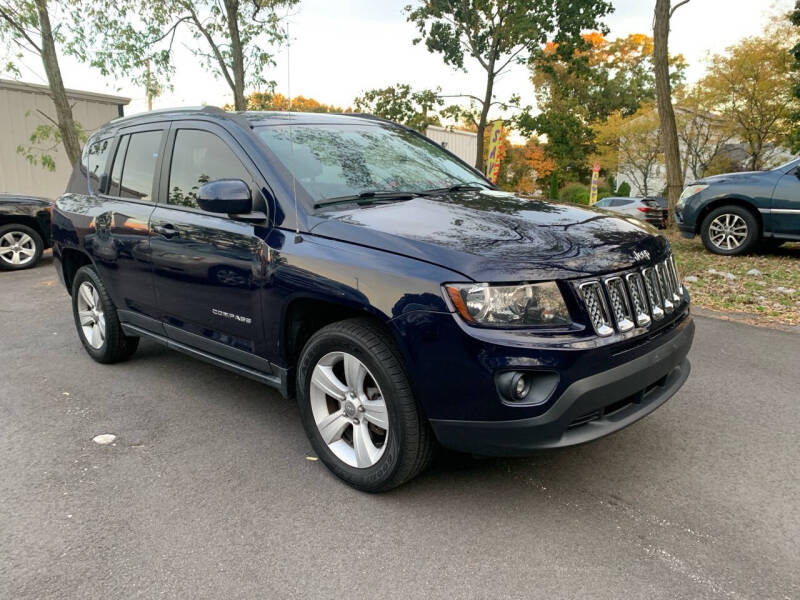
[(278, 381)]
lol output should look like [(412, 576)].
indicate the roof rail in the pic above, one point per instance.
[(207, 109)]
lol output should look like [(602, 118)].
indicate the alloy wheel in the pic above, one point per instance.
[(92, 318), (17, 248), (349, 409), (728, 231)]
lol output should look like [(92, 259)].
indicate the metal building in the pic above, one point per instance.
[(464, 144), (25, 106)]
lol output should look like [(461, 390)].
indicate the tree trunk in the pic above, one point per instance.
[(666, 115), (66, 123), (487, 101), (237, 56)]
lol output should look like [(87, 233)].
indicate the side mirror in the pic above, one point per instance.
[(230, 196)]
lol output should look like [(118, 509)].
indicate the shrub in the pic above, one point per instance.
[(576, 193), (624, 189)]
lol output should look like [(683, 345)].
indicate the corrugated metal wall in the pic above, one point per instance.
[(19, 117), (463, 144)]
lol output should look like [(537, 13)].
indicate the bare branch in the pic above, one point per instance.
[(19, 29), (676, 7)]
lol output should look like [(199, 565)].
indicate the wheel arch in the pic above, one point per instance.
[(27, 221), (72, 259), (729, 201)]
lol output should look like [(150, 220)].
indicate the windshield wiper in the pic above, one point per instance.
[(458, 187), (367, 198)]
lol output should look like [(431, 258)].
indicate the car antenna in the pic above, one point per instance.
[(297, 237)]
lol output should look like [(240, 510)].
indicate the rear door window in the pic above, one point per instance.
[(139, 166)]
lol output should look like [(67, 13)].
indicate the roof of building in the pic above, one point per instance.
[(35, 88)]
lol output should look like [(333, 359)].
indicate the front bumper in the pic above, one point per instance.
[(589, 408)]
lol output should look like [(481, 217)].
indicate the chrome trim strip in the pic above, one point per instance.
[(636, 289), (785, 211)]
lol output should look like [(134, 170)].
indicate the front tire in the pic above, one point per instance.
[(97, 321), (730, 230), (20, 247), (357, 407)]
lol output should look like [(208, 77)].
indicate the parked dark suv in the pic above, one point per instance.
[(354, 264), (736, 211), (24, 230)]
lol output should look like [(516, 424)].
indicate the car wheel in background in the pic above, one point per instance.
[(20, 247), (357, 408), (97, 321), (729, 230)]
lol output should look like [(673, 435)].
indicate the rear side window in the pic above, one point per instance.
[(621, 202), (138, 167), (95, 156), (200, 157), (116, 170)]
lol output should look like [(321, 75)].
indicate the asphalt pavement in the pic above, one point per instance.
[(209, 492)]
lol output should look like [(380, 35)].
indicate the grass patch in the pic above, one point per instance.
[(756, 296)]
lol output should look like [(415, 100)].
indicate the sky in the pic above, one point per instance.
[(341, 48)]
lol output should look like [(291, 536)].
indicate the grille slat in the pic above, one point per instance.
[(666, 287), (622, 302), (638, 299), (595, 302), (620, 307)]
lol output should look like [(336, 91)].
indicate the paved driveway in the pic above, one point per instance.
[(208, 493)]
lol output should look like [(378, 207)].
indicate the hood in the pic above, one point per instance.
[(740, 177), (497, 237)]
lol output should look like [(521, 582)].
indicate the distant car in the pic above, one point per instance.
[(735, 211), (649, 209), (24, 230)]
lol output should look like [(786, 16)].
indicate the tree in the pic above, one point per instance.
[(702, 133), (26, 25), (666, 114), (499, 33), (575, 91), (631, 146), (401, 104), (234, 38), (751, 88), (279, 102), (794, 136)]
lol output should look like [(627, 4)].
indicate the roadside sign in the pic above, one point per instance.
[(493, 158), (595, 177)]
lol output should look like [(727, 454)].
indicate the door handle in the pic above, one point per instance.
[(168, 231)]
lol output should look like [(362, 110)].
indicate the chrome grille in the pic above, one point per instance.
[(622, 302), (620, 307), (638, 299), (593, 298)]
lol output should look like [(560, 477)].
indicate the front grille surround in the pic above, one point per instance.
[(621, 302)]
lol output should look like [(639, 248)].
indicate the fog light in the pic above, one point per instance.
[(520, 386)]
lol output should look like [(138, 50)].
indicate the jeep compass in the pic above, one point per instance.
[(387, 286)]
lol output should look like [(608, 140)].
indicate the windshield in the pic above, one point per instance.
[(334, 161)]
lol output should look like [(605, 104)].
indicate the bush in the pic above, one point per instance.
[(624, 189), (576, 193)]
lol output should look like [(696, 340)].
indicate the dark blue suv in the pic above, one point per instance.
[(386, 285), (736, 211)]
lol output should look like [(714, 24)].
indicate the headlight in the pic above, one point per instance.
[(509, 305), (689, 192)]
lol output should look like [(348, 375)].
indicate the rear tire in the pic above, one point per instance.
[(366, 404), (730, 230), (97, 321), (20, 247)]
